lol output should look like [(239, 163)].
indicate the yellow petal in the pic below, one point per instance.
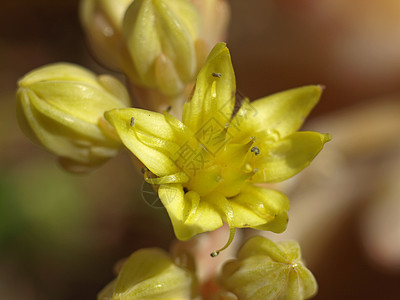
[(233, 155), (233, 179), (213, 96), (260, 208), (149, 136), (189, 215), (283, 112), (283, 159)]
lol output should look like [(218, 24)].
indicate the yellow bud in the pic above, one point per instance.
[(161, 37), (102, 22), (268, 270), (151, 274), (61, 107)]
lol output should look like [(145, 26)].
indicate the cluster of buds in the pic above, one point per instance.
[(160, 45)]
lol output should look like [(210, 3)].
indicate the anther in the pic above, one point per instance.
[(217, 74), (169, 108), (132, 121), (255, 150)]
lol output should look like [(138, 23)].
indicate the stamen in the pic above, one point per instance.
[(255, 150), (169, 108), (132, 121), (255, 170), (231, 236), (217, 74)]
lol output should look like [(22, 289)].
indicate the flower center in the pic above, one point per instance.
[(225, 172)]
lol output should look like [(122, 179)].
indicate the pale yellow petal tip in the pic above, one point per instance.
[(327, 137), (317, 90), (110, 116), (219, 50), (219, 47), (309, 94)]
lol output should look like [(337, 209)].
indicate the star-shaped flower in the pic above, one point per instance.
[(206, 166)]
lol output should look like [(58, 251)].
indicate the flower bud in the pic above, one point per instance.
[(102, 23), (61, 107), (268, 270), (151, 274), (161, 38)]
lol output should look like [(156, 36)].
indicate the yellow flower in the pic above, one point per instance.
[(61, 107), (206, 166), (268, 270), (151, 274)]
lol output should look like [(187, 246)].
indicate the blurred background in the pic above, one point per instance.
[(61, 234)]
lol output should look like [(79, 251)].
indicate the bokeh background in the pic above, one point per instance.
[(61, 234)]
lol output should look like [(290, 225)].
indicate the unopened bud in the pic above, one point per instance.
[(151, 274), (268, 270), (61, 107), (161, 37)]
